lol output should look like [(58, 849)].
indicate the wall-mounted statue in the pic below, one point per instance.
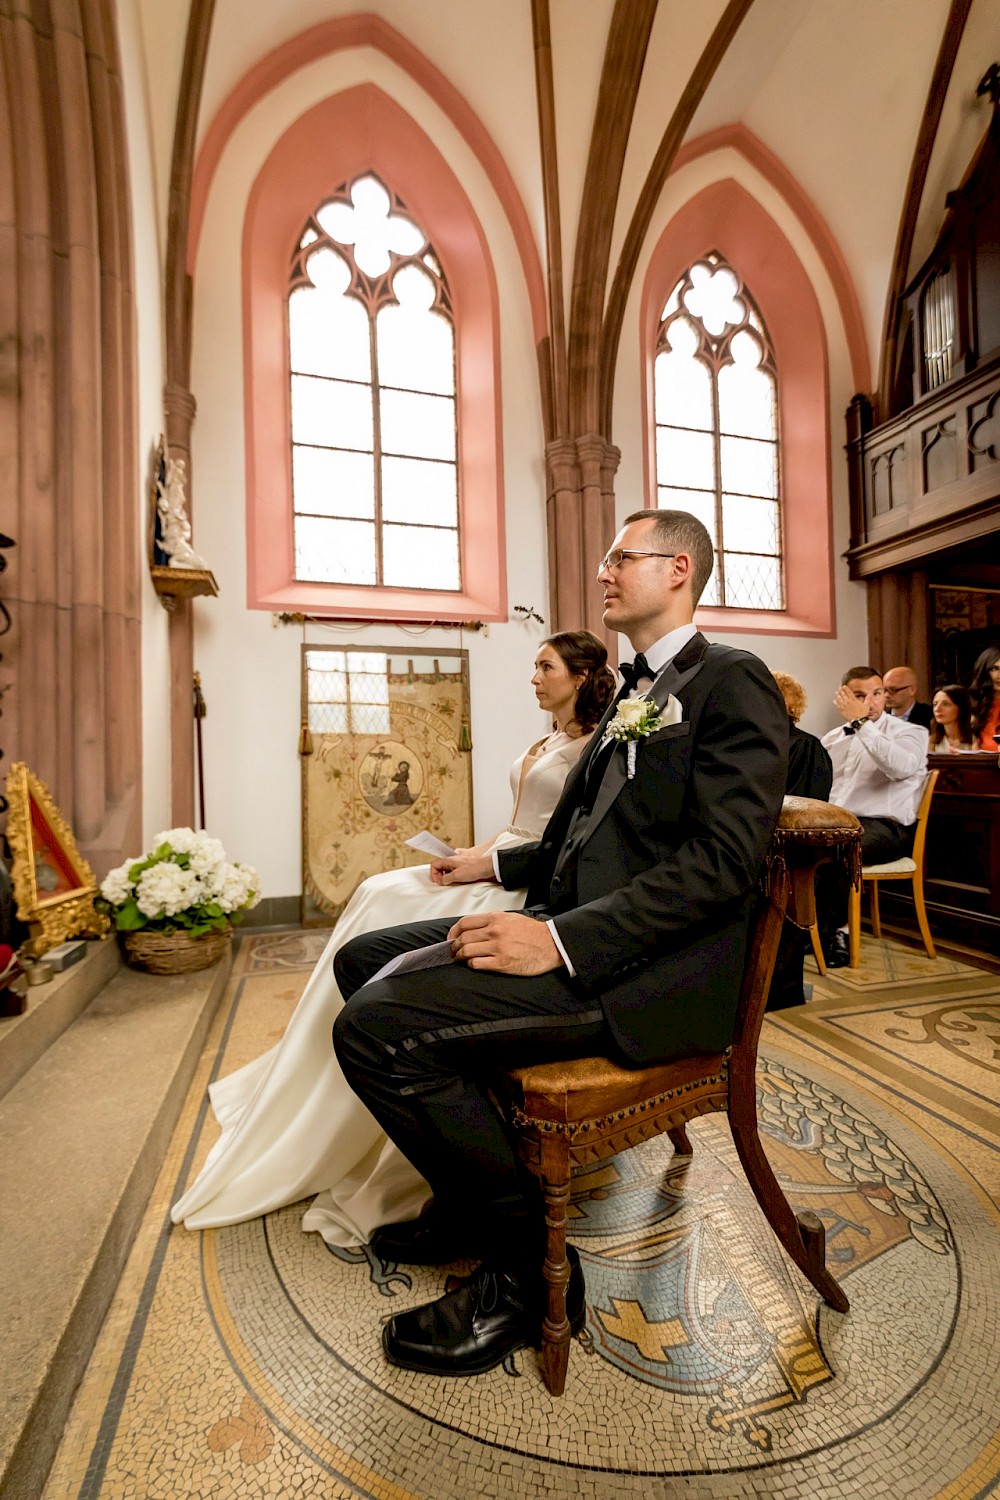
[(174, 536)]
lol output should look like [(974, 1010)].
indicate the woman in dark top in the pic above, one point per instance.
[(810, 774), (810, 769)]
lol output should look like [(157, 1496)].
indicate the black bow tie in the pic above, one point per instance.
[(633, 670)]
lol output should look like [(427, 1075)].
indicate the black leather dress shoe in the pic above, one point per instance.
[(474, 1327), (838, 951), (433, 1238)]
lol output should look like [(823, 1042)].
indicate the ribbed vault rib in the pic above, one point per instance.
[(713, 53), (628, 38), (552, 355)]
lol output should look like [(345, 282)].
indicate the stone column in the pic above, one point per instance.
[(580, 510), (67, 430)]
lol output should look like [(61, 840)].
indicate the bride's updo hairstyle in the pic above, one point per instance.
[(584, 654)]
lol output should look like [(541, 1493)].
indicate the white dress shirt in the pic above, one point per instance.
[(879, 771)]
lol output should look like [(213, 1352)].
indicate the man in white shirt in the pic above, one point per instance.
[(879, 769)]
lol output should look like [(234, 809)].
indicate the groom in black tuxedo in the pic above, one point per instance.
[(631, 945)]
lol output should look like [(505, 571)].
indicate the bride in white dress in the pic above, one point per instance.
[(291, 1127)]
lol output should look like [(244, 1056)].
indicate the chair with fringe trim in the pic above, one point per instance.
[(575, 1113)]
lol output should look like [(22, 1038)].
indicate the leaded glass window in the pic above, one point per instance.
[(347, 693), (716, 413), (373, 400)]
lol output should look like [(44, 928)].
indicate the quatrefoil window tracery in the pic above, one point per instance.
[(717, 448), (373, 398)]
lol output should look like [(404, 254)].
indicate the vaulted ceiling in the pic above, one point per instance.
[(836, 91)]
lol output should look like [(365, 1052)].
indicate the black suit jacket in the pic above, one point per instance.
[(921, 714), (810, 769), (652, 901)]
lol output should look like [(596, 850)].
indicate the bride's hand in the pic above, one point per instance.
[(461, 868)]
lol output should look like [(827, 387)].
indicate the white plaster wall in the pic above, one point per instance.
[(250, 668), (817, 663), (148, 281)]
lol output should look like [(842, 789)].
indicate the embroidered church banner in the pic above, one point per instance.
[(384, 750)]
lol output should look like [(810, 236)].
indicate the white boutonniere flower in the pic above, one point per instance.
[(634, 719)]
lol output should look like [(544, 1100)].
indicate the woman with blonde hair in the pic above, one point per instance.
[(810, 774), (810, 770)]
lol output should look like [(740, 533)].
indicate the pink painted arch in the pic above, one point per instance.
[(367, 30), (357, 131), (726, 218)]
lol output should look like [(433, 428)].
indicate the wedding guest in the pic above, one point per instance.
[(291, 1127), (810, 774), (879, 770), (984, 695), (900, 685), (810, 769), (952, 728)]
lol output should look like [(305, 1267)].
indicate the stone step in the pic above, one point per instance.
[(51, 1008), (84, 1132)]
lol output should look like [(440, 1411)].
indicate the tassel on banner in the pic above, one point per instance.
[(464, 737), (305, 739)]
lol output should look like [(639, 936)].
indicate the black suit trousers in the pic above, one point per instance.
[(420, 1049)]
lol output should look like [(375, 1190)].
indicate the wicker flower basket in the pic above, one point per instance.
[(174, 952)]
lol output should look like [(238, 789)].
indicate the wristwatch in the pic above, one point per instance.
[(854, 726)]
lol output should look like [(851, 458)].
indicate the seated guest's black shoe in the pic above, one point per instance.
[(433, 1238), (486, 1317), (838, 951)]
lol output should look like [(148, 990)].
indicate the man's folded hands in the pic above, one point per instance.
[(507, 942)]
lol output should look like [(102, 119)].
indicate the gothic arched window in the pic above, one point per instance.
[(717, 442), (374, 449)]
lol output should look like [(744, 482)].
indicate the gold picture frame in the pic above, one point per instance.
[(54, 887)]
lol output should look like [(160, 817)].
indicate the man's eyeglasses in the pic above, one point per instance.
[(617, 556)]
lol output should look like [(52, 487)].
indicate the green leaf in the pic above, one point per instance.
[(129, 918)]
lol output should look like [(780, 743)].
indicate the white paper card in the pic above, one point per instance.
[(433, 956), (426, 843)]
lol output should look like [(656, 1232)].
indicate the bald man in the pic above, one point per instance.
[(901, 697)]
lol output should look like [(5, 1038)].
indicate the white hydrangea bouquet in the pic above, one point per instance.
[(184, 884)]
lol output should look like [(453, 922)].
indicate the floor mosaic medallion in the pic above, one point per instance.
[(246, 1361)]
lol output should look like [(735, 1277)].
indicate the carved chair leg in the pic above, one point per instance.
[(817, 948), (679, 1141), (802, 1236), (918, 902), (876, 919), (854, 926), (555, 1270)]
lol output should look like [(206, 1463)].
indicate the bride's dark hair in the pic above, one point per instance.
[(584, 654)]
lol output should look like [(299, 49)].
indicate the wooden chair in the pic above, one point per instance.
[(911, 868), (570, 1114)]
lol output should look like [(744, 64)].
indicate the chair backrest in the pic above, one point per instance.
[(809, 832), (923, 813)]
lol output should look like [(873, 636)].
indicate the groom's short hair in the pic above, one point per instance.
[(680, 531)]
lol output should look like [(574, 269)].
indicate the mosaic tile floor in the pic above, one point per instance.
[(245, 1362)]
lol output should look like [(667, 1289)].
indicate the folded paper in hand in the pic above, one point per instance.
[(434, 956), (426, 843)]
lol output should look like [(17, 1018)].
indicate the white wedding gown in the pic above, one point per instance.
[(291, 1127)]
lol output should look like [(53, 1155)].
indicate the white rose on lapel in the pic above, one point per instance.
[(636, 718)]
